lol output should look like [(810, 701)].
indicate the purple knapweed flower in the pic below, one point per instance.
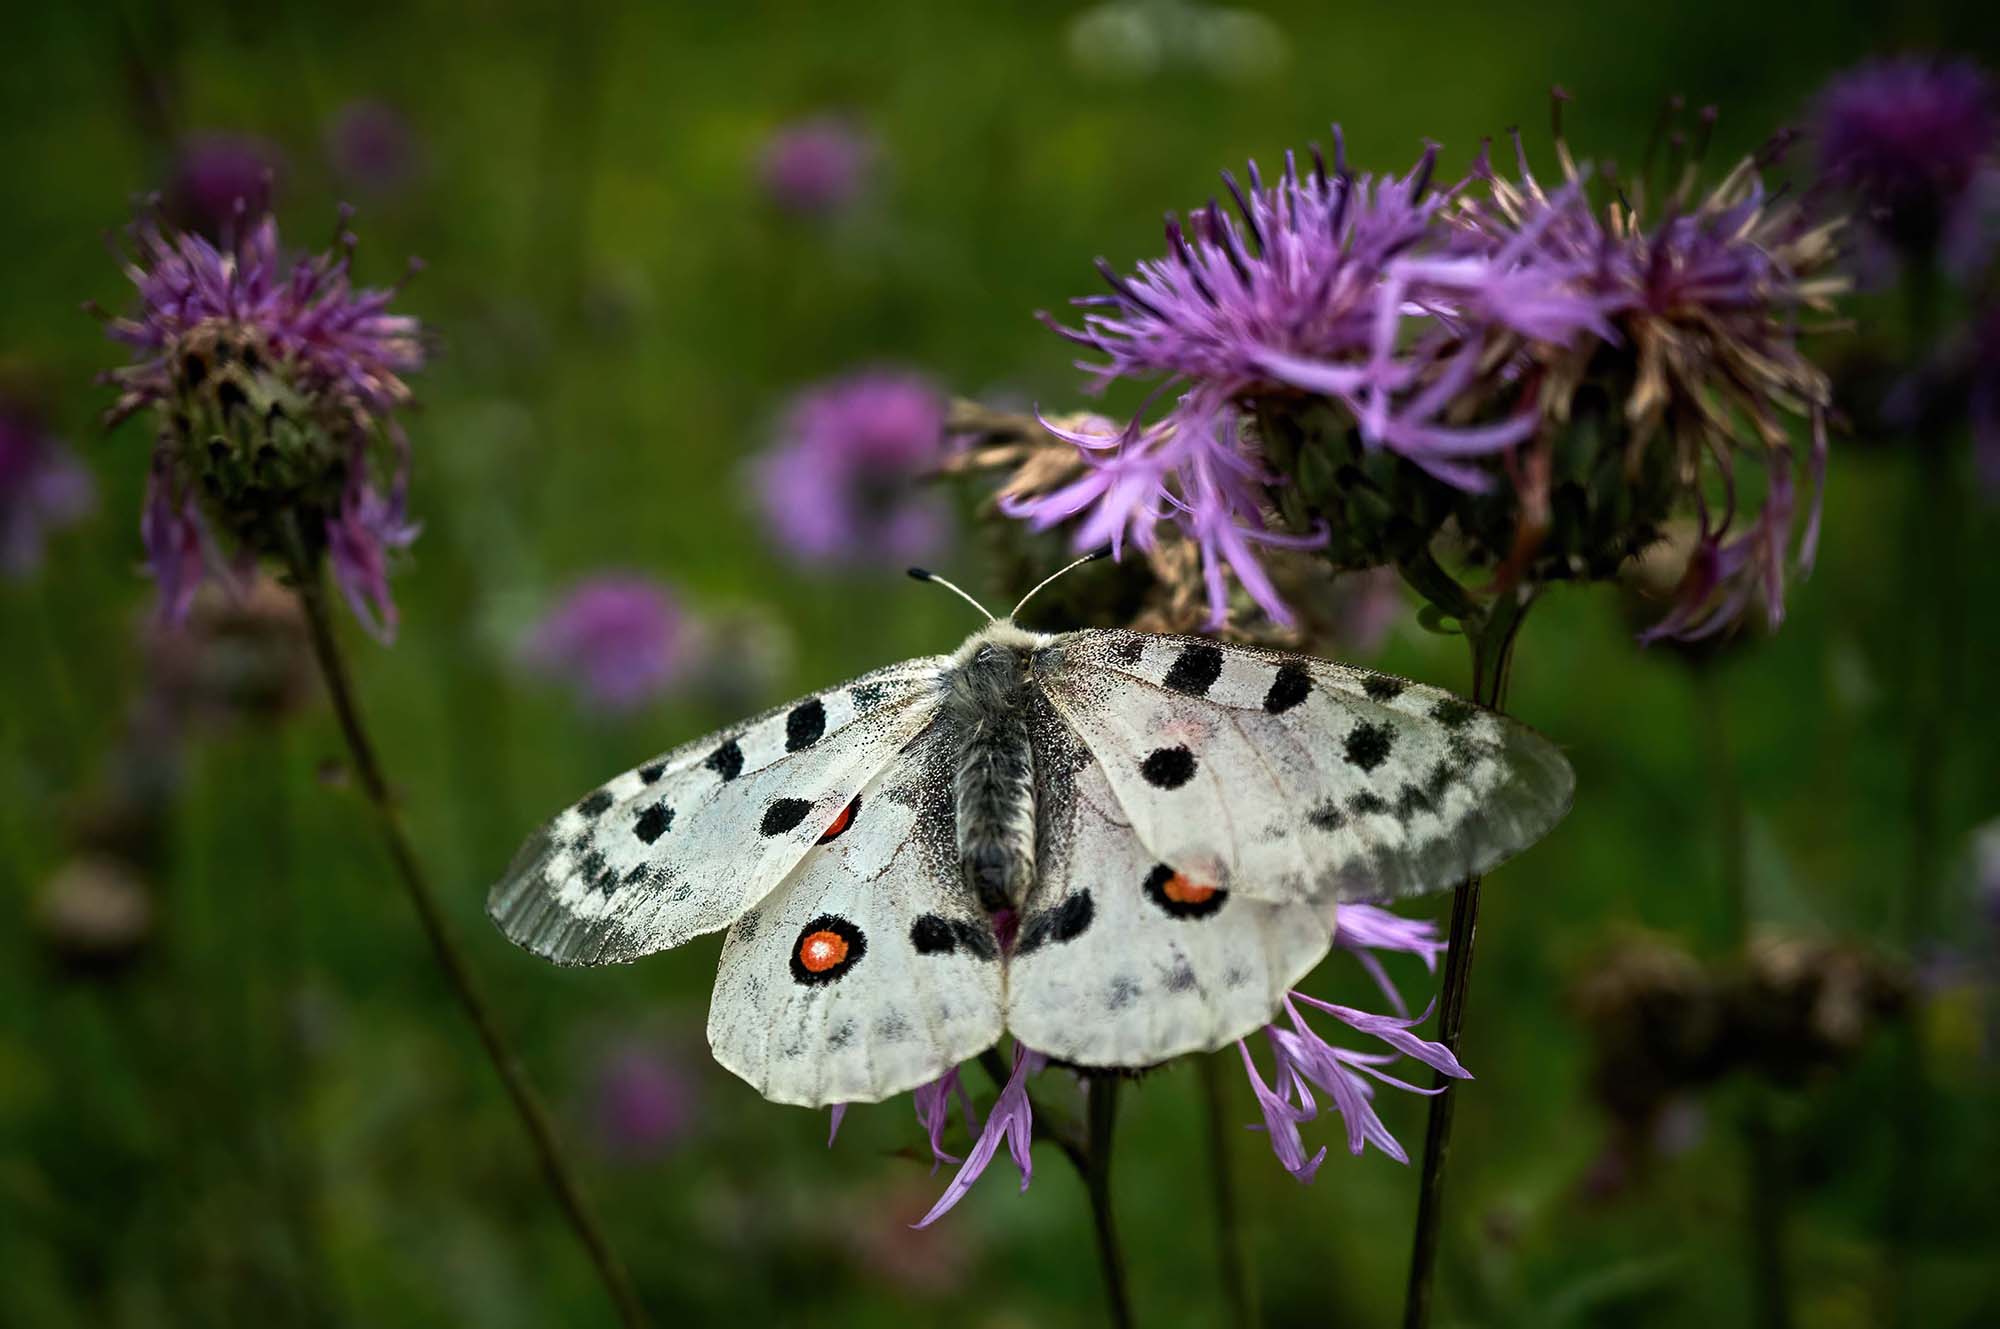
[(817, 166), (644, 1102), (42, 488), (1704, 309), (620, 640), (372, 147), (843, 483), (1908, 137), (275, 383), (219, 180), (1334, 285)]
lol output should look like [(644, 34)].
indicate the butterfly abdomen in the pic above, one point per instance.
[(993, 780)]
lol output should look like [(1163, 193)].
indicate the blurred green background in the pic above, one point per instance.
[(272, 1114)]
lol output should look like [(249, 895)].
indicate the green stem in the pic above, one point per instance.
[(1103, 1090), (1491, 634), (450, 961), (1222, 1182)]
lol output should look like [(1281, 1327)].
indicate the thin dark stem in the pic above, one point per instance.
[(1097, 1180), (451, 962), (1935, 572), (1764, 1173), (1228, 1226), (1491, 635)]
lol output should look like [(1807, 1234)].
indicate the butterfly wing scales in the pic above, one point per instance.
[(684, 844), (1298, 779), (917, 986), (1161, 967)]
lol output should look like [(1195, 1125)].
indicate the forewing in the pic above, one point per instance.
[(870, 970), (1122, 961), (1293, 778), (684, 844)]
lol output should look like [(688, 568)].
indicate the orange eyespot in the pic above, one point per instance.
[(843, 821), (821, 951), (1182, 891)]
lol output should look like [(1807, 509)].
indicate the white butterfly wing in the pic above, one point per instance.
[(684, 844), (1121, 961), (871, 969), (1291, 778)]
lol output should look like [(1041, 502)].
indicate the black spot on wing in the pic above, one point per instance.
[(1291, 686), (652, 772), (1366, 804), (1065, 922), (1381, 687), (1368, 745), (1129, 651), (726, 761), (1195, 669), (826, 949), (1453, 713), (1327, 816), (804, 725), (933, 934), (1180, 898), (654, 822), (1168, 768), (783, 815), (595, 805), (866, 696), (1410, 800)]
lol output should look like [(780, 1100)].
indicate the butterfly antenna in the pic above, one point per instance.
[(925, 574), (1091, 557)]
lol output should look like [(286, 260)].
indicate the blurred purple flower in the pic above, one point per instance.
[(220, 181), (644, 1103), (816, 166), (1908, 137), (1340, 285), (213, 323), (619, 639), (372, 147), (42, 488), (842, 483)]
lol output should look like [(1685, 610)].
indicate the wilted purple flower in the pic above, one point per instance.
[(816, 166), (1342, 286), (842, 484), (619, 639), (1705, 306), (1908, 137), (275, 383), (42, 488), (219, 180), (644, 1102), (372, 147)]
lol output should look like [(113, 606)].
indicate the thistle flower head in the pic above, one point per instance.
[(42, 488), (620, 640), (645, 1101), (842, 483), (1327, 286), (1702, 372), (1907, 137), (275, 384)]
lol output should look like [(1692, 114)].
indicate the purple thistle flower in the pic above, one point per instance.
[(218, 179), (644, 1103), (1705, 305), (817, 166), (1342, 286), (619, 639), (1908, 137), (1012, 1120), (42, 488), (841, 485), (372, 147), (276, 383)]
